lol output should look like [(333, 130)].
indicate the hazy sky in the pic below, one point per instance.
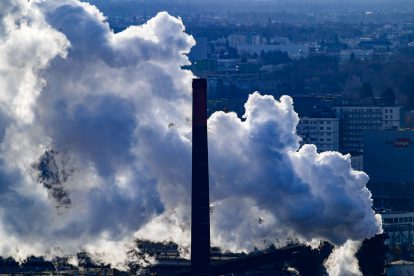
[(298, 6), (376, 2)]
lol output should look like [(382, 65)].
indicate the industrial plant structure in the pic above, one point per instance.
[(200, 199)]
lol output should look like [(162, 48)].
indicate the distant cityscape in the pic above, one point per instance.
[(352, 81), (350, 73), (351, 76)]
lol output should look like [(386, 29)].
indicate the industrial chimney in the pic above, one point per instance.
[(200, 202)]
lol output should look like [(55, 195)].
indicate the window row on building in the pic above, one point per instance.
[(347, 126)]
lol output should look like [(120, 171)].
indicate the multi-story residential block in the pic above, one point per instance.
[(236, 40), (322, 132), (392, 117)]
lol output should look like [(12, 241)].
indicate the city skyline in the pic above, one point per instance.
[(97, 132)]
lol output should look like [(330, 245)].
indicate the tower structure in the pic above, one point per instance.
[(200, 201)]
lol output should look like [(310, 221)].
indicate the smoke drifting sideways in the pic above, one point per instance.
[(95, 131)]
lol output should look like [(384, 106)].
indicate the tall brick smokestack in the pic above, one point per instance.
[(200, 202)]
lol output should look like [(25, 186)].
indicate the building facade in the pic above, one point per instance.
[(357, 120), (322, 132), (388, 160), (392, 117)]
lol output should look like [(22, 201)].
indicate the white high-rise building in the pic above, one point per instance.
[(322, 132)]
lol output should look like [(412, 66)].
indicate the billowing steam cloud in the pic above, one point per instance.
[(342, 261), (96, 146)]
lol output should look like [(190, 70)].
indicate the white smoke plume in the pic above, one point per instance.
[(342, 261), (96, 146)]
